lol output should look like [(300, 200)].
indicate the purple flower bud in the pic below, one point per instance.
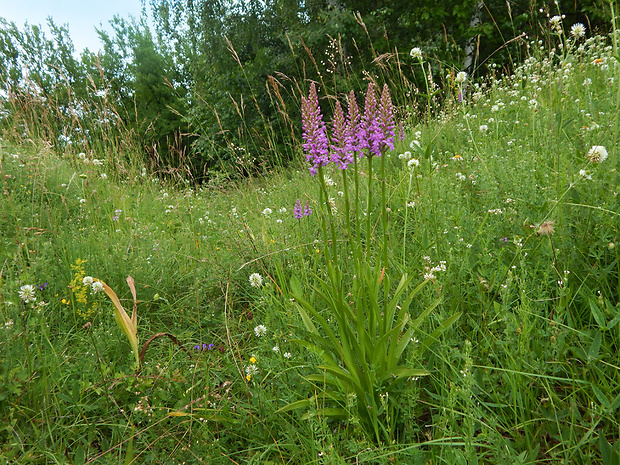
[(307, 210)]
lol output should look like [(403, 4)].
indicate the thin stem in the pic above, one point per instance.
[(406, 215), (368, 204), (384, 210)]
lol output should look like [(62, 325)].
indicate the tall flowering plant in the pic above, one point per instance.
[(363, 338)]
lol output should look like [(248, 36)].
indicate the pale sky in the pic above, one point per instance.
[(82, 16)]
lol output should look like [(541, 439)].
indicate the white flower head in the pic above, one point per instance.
[(96, 287), (578, 30), (597, 154), (256, 280), (26, 293), (461, 77), (411, 164), (416, 53), (260, 330), (251, 370), (556, 23), (88, 280), (267, 211), (585, 175), (483, 128)]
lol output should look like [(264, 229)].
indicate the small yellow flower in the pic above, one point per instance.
[(248, 377), (253, 359)]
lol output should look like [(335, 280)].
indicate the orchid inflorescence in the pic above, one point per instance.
[(372, 131)]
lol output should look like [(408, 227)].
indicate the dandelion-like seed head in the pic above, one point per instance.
[(26, 293), (597, 154), (546, 228), (256, 280)]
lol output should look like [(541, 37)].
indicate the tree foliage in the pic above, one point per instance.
[(214, 84)]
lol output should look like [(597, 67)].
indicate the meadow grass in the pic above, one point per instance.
[(498, 202)]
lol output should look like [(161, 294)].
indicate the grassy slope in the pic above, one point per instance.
[(528, 373)]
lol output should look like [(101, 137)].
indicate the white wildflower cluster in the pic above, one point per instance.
[(432, 269), (250, 371), (578, 30), (496, 211), (95, 285), (412, 164), (260, 330), (329, 181), (331, 203), (267, 211), (483, 128), (416, 53), (597, 154), (556, 23), (26, 293), (461, 176), (143, 406), (461, 77), (256, 280), (87, 161)]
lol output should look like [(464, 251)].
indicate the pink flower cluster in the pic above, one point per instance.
[(370, 132)]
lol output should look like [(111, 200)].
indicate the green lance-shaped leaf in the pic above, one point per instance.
[(129, 326)]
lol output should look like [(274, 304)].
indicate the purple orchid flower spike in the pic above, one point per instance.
[(314, 133), (372, 134), (342, 153), (298, 211), (385, 118), (355, 132)]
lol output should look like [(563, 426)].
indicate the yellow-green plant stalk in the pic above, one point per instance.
[(129, 326)]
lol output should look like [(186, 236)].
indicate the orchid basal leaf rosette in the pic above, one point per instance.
[(358, 324)]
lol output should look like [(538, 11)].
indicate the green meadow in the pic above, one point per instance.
[(455, 300)]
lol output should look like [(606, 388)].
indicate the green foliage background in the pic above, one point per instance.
[(214, 89)]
